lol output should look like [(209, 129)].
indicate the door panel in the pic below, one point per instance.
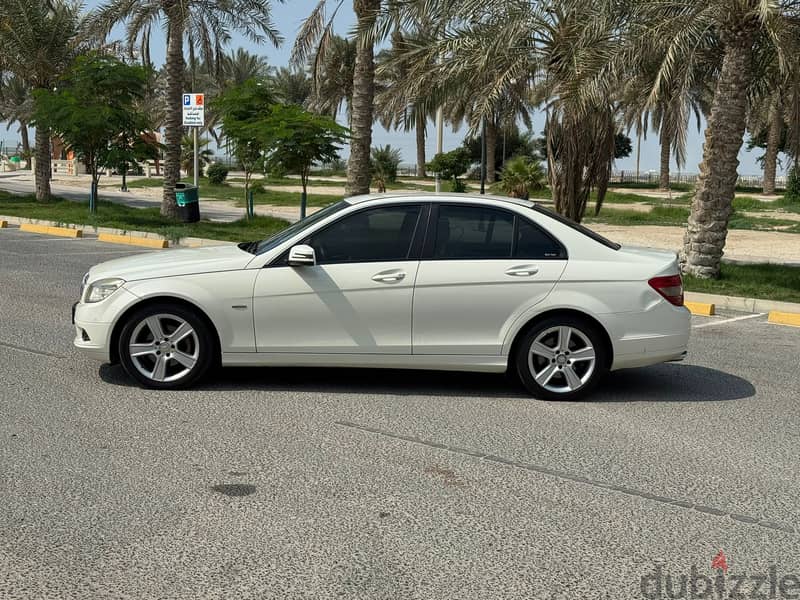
[(485, 266), (337, 308), (465, 307)]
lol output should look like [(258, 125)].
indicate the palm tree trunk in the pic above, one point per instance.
[(174, 113), (43, 170), (773, 142), (491, 148), (419, 129), (712, 205), (26, 144), (358, 167), (665, 156)]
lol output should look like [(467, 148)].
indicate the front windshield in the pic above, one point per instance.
[(280, 237)]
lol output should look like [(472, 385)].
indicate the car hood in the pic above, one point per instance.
[(170, 263)]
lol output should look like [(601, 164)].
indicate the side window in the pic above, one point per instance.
[(533, 242), (473, 232), (379, 234)]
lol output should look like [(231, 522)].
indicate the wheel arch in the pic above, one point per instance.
[(561, 312), (123, 318)]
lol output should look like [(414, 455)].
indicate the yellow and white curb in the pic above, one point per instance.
[(784, 318), (703, 309), (130, 240), (3, 224), (50, 230)]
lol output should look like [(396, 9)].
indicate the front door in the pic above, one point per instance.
[(356, 299)]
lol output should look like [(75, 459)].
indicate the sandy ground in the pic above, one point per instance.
[(743, 245)]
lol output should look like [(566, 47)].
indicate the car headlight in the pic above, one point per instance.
[(102, 289)]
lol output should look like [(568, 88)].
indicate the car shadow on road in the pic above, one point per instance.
[(660, 383)]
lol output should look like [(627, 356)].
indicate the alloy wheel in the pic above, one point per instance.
[(562, 359), (164, 347)]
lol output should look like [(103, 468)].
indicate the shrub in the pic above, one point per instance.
[(384, 161), (521, 175), (217, 173), (257, 187), (451, 165), (793, 185)]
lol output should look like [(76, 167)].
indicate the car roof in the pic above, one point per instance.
[(438, 197)]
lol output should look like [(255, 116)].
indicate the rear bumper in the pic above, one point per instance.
[(656, 335)]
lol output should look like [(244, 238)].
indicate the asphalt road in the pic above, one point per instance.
[(311, 483)]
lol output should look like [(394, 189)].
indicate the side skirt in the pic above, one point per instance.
[(435, 362)]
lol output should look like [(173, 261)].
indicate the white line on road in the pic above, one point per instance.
[(727, 321)]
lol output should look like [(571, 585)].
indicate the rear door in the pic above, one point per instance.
[(481, 267)]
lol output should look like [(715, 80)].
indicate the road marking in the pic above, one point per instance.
[(708, 510), (30, 350), (724, 321)]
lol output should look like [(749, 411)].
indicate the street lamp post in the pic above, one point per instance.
[(483, 155)]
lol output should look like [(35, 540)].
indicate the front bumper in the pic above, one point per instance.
[(94, 323)]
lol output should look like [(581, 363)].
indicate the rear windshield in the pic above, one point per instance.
[(577, 227)]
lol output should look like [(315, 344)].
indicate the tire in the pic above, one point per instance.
[(551, 372), (183, 351)]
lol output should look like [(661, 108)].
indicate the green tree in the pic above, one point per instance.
[(450, 166), (38, 41), (203, 25), (385, 161), (297, 139), (316, 32), (241, 110), (204, 154), (92, 109)]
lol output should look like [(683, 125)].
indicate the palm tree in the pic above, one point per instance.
[(292, 86), (332, 69), (16, 106), (741, 29), (394, 108), (317, 31), (37, 53), (201, 24)]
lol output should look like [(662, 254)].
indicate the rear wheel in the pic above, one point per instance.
[(562, 358), (165, 346)]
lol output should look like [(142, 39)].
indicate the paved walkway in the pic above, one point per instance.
[(742, 245)]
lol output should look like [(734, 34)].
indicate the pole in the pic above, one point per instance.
[(439, 132), (483, 155), (196, 159), (638, 154)]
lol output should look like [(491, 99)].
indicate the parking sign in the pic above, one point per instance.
[(194, 110)]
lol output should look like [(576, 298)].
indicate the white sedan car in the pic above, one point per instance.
[(450, 282)]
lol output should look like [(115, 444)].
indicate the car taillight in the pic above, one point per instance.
[(670, 287)]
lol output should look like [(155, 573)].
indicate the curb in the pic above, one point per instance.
[(51, 230), (189, 242), (3, 224), (750, 305), (130, 240), (784, 318), (703, 309)]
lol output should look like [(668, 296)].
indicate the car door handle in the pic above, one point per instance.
[(523, 271), (389, 276)]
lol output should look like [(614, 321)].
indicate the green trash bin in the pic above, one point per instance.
[(187, 197)]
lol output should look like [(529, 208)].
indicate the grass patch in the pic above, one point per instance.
[(742, 203), (680, 187), (770, 282), (659, 215), (128, 218)]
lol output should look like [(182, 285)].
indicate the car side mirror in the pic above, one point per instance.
[(302, 255)]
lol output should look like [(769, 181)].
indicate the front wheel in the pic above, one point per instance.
[(562, 358), (166, 346)]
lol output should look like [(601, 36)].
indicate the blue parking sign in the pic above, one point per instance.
[(187, 100)]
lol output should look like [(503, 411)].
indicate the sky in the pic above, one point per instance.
[(289, 16)]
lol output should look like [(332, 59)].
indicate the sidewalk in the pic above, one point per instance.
[(742, 245)]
